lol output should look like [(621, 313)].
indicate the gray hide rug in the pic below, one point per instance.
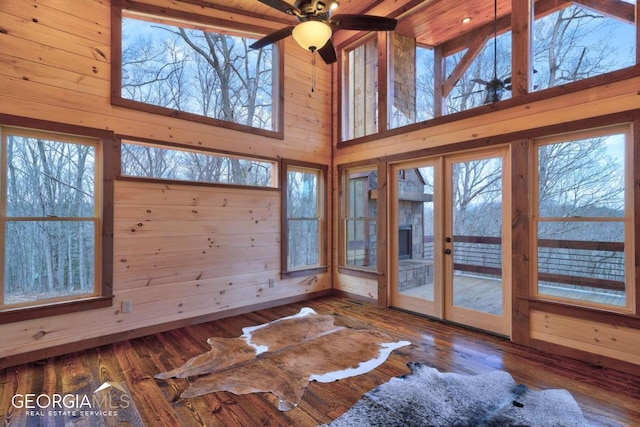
[(427, 397)]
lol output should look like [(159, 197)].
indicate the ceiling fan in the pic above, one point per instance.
[(316, 25), (494, 88)]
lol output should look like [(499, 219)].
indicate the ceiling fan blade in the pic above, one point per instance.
[(282, 6), (363, 22), (272, 38), (468, 93), (482, 82), (328, 53)]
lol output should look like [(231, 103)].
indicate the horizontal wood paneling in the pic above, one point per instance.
[(356, 285), (617, 342), (180, 252)]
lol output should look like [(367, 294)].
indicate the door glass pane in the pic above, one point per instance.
[(477, 225), (415, 232)]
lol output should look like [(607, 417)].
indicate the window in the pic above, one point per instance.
[(304, 224), (145, 160), (52, 220), (360, 103), (195, 71), (431, 75), (360, 221), (470, 90), (577, 42), (411, 82), (583, 216)]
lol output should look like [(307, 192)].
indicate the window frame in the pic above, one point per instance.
[(321, 209), (627, 219), (343, 267), (120, 8), (378, 113), (102, 297)]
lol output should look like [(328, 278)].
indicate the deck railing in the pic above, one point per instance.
[(576, 263)]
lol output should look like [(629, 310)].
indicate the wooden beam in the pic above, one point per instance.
[(383, 80), (473, 49), (381, 230), (520, 248), (521, 23), (614, 8), (439, 80)]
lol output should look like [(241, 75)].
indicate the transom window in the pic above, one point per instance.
[(146, 160), (196, 71)]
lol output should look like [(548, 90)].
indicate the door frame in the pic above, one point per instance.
[(433, 308), (499, 324), (442, 305)]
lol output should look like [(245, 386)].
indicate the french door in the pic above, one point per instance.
[(450, 238)]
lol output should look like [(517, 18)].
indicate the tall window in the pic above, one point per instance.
[(583, 217), (360, 79), (51, 218), (304, 224), (195, 71), (360, 222)]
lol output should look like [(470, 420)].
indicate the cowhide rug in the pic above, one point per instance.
[(283, 356), (426, 397)]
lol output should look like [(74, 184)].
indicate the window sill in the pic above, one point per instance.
[(359, 272), (303, 273), (20, 314)]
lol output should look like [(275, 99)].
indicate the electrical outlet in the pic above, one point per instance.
[(126, 306), (272, 283)]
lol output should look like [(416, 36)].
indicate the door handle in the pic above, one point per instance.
[(447, 251)]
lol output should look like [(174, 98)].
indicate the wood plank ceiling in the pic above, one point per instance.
[(431, 22)]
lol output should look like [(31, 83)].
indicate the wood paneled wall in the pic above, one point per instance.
[(181, 252)]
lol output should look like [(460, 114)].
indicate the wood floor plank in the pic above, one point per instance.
[(607, 397)]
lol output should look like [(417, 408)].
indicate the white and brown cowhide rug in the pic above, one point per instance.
[(283, 356)]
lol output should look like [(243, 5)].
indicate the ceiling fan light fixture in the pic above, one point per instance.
[(312, 35)]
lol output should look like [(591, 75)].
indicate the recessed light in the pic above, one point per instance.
[(466, 20)]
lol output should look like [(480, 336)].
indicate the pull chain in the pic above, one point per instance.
[(313, 71)]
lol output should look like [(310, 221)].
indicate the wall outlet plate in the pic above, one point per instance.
[(126, 306)]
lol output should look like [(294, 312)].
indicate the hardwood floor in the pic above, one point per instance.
[(607, 397)]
